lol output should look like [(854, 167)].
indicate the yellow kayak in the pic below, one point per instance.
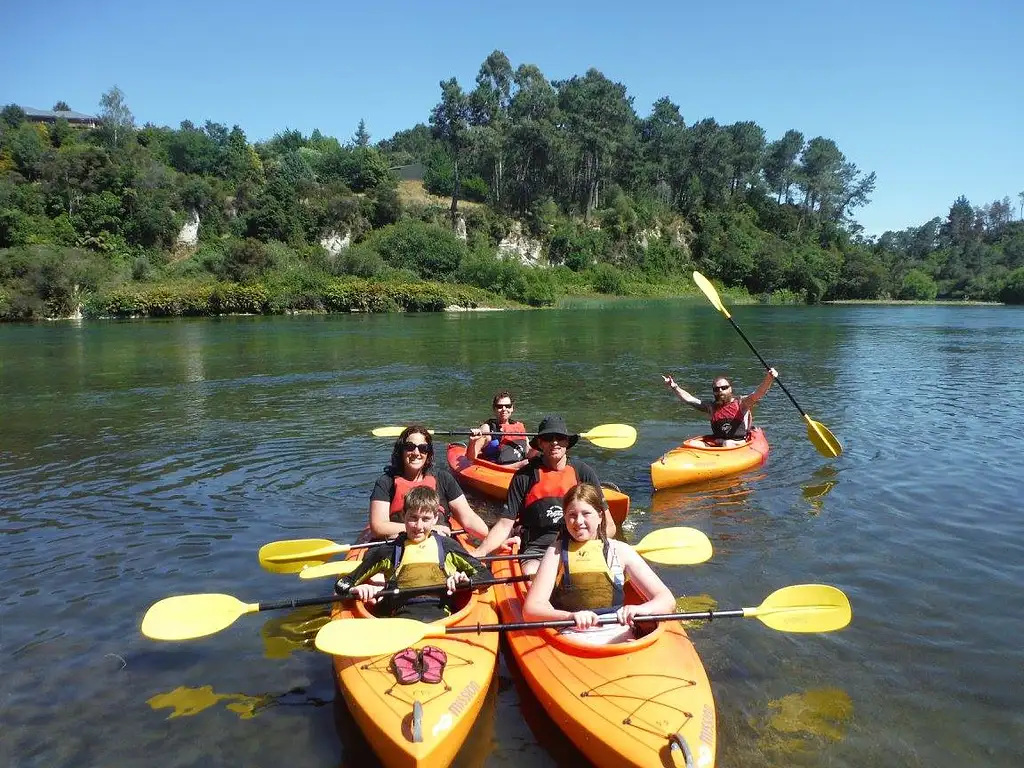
[(647, 702), (422, 723), (695, 461)]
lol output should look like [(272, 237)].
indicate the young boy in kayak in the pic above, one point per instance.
[(535, 495), (731, 419), (418, 557), (501, 439), (583, 574)]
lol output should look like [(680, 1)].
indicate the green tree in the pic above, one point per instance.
[(61, 106), (710, 166), (449, 121), (748, 153), (432, 252), (960, 227), (361, 138), (1012, 291), (917, 286), (663, 149), (489, 104), (534, 145), (12, 116), (118, 120), (780, 163), (599, 120), (818, 172)]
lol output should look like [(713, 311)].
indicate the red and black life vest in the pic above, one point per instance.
[(511, 446), (542, 507), (730, 421)]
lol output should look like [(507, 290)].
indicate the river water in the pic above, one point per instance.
[(145, 459)]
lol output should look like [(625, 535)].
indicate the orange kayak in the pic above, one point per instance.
[(695, 461), (422, 724), (643, 703), (492, 480)]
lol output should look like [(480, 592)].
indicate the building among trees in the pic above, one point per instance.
[(51, 116)]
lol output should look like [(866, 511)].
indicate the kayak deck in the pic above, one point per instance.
[(422, 724), (492, 480), (694, 461), (643, 703)]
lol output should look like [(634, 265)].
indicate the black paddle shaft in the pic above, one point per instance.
[(767, 367), (562, 623), (429, 589)]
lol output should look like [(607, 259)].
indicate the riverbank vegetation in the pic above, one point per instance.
[(518, 190)]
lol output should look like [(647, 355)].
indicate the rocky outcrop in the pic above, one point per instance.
[(460, 228), (520, 246), (334, 243), (679, 233), (188, 237)]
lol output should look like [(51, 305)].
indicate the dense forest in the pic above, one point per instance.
[(96, 220)]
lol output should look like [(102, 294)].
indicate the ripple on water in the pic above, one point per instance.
[(163, 464)]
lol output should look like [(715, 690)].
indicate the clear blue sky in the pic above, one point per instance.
[(929, 94)]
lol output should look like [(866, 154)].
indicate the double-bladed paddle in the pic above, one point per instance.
[(189, 616), (603, 435), (819, 435), (799, 608), (668, 546), (293, 555)]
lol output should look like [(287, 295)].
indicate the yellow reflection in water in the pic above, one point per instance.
[(191, 701), (799, 719), (814, 492), (293, 631), (692, 604), (700, 501)]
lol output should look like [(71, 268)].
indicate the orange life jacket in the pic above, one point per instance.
[(402, 487)]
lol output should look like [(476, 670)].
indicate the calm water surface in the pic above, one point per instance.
[(140, 460)]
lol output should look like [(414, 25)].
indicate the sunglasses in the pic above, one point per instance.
[(722, 389), (506, 406), (554, 438), (410, 447)]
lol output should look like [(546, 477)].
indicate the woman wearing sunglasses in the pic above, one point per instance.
[(501, 439), (730, 415), (411, 460)]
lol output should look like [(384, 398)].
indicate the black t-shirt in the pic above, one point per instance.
[(523, 479), (448, 490)]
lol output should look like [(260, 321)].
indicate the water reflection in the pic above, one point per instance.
[(283, 634), (823, 481), (186, 702), (698, 502), (801, 722)]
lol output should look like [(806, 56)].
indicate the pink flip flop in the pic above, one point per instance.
[(406, 666), (432, 661)]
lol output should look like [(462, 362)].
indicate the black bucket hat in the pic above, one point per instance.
[(554, 425)]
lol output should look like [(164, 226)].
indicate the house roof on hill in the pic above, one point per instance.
[(49, 114)]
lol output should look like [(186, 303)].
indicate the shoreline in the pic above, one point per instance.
[(919, 302)]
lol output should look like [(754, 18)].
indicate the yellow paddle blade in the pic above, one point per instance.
[(388, 431), (611, 435), (822, 439), (709, 290), (372, 637), (335, 568), (804, 608), (187, 616), (675, 546), (294, 555)]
